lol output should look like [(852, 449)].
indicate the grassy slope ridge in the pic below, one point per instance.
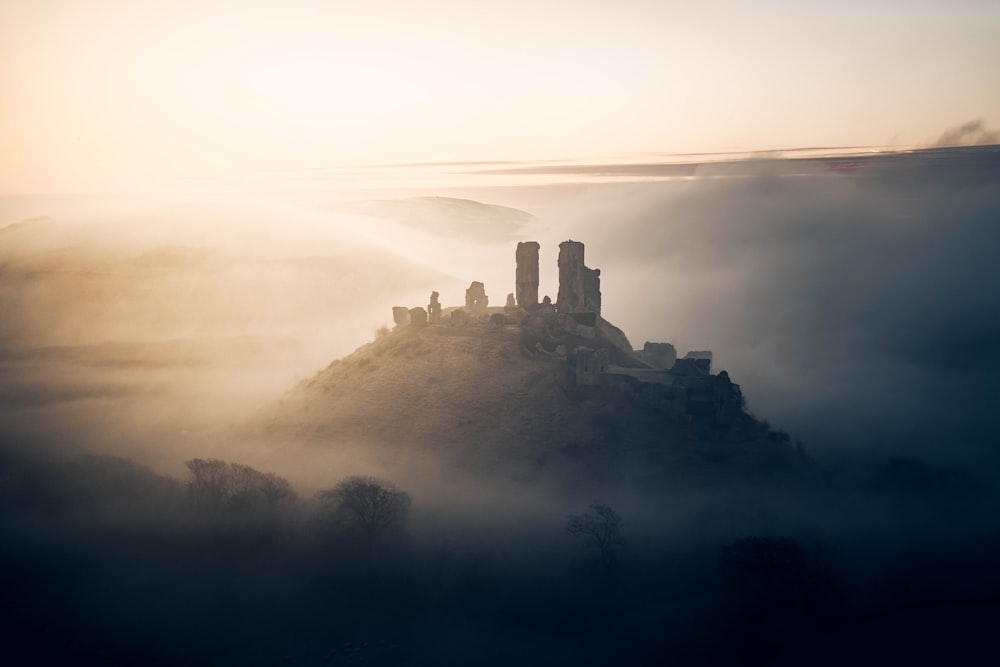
[(472, 396)]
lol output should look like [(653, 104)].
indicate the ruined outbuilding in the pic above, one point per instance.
[(511, 305), (401, 316), (476, 301), (591, 365), (659, 355), (418, 318)]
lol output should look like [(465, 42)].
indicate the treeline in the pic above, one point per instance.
[(103, 561), (114, 489)]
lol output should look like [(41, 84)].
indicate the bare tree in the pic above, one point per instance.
[(368, 504), (276, 490), (601, 527), (242, 487), (216, 485), (208, 483)]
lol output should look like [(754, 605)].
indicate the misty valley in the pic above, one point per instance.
[(108, 562), (427, 430)]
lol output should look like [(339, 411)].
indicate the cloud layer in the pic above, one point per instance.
[(858, 311)]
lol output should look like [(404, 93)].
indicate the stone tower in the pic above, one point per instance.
[(527, 274), (579, 287)]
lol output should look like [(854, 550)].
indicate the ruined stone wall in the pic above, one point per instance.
[(669, 400), (659, 355), (526, 276), (418, 318), (592, 290), (401, 316), (434, 309), (702, 357), (591, 365)]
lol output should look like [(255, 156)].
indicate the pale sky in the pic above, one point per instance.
[(136, 95)]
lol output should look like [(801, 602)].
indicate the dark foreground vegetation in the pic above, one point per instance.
[(104, 562)]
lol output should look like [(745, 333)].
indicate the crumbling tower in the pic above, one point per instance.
[(579, 287), (476, 300), (527, 274)]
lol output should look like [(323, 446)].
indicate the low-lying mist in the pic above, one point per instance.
[(107, 561), (857, 310), (129, 328)]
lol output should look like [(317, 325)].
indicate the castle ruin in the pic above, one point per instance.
[(598, 355)]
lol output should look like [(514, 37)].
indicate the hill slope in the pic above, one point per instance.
[(474, 398)]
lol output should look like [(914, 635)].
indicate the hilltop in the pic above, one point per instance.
[(529, 391)]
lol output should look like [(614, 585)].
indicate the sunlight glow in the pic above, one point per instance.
[(119, 96)]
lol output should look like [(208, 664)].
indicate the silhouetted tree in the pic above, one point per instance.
[(782, 599), (367, 504), (776, 569), (758, 567), (601, 527), (207, 486), (276, 490), (217, 485)]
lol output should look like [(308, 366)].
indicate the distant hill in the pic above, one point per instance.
[(193, 269), (462, 219), (125, 330)]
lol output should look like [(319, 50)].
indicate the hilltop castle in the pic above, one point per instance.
[(597, 353)]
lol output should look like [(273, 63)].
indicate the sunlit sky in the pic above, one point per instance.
[(139, 95)]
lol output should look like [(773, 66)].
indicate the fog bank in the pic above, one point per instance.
[(856, 310)]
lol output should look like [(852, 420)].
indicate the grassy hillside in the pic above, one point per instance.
[(475, 398)]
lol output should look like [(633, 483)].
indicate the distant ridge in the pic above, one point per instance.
[(447, 216)]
